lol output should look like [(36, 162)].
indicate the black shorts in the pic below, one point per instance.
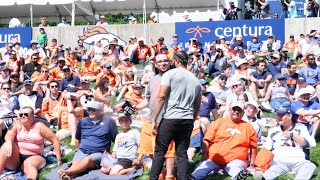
[(125, 163), (24, 157)]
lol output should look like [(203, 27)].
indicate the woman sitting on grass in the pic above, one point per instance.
[(124, 149), (102, 94), (68, 117), (24, 146), (128, 79)]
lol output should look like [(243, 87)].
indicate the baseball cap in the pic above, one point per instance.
[(33, 42), (86, 57), (239, 48), (10, 45), (237, 104), (124, 58), (283, 110), (303, 91), (276, 56), (203, 82), (279, 76), (68, 47), (222, 37), (223, 76), (163, 47), (2, 62), (102, 17), (2, 68), (94, 105), (107, 65), (161, 38), (65, 67), (133, 37), (269, 45), (137, 86), (61, 59), (301, 79), (253, 103), (251, 56), (240, 62), (85, 80), (175, 35), (291, 36), (28, 81), (254, 36), (123, 116)]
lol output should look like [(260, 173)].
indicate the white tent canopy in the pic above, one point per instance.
[(85, 9)]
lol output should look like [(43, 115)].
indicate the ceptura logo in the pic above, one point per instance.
[(197, 31)]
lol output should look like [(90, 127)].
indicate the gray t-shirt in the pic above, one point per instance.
[(184, 88), (126, 144), (152, 92)]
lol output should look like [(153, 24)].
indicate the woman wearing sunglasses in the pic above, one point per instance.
[(24, 146)]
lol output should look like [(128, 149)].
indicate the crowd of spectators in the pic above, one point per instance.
[(72, 89)]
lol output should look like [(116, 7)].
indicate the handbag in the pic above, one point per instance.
[(264, 159), (107, 161)]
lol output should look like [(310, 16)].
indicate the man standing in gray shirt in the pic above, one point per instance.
[(147, 139), (180, 94)]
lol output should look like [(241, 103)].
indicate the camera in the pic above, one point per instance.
[(127, 109), (9, 119), (88, 98)]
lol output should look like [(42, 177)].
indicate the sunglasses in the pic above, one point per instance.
[(6, 88), (311, 59), (66, 70), (281, 79), (223, 79), (163, 61), (235, 86), (108, 67), (14, 77), (44, 71), (56, 86), (24, 114), (72, 99), (61, 62), (92, 109)]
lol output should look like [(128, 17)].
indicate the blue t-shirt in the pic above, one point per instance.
[(258, 76), (73, 80), (208, 102), (275, 69), (254, 46), (296, 105), (96, 137), (235, 44), (291, 82), (311, 74)]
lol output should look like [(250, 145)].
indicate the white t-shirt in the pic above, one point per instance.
[(126, 144)]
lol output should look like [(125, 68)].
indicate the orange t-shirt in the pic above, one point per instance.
[(51, 106), (113, 78), (63, 115), (229, 140), (57, 73), (158, 47), (92, 67), (142, 52), (290, 45), (132, 94), (73, 62)]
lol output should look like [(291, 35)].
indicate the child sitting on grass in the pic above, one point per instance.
[(124, 149)]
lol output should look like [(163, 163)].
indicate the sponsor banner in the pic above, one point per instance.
[(208, 31), (275, 7), (91, 35), (12, 35)]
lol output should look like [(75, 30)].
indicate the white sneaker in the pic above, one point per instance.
[(257, 174)]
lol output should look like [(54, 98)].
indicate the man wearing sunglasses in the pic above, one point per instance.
[(57, 72), (93, 136), (29, 68), (70, 82)]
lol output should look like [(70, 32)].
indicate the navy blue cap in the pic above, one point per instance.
[(28, 81), (2, 68), (175, 35), (301, 79), (283, 110), (203, 82), (163, 47), (107, 65), (86, 57)]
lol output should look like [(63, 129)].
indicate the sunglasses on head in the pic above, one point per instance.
[(24, 114), (91, 109), (54, 86)]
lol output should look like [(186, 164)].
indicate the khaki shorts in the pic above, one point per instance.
[(64, 133)]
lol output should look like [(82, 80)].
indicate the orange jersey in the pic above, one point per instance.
[(142, 52), (113, 78), (158, 47), (57, 73), (63, 116), (85, 67), (72, 62), (51, 106), (132, 94), (229, 140)]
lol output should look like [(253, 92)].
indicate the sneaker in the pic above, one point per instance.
[(257, 174), (243, 174)]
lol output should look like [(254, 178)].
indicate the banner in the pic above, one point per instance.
[(12, 35), (275, 7), (208, 31)]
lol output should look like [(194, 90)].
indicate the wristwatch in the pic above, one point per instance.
[(291, 134)]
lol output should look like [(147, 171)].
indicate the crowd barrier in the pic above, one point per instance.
[(204, 31)]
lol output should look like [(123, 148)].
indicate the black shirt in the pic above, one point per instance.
[(30, 68)]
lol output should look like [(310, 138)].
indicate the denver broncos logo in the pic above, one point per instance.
[(99, 33), (197, 30)]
